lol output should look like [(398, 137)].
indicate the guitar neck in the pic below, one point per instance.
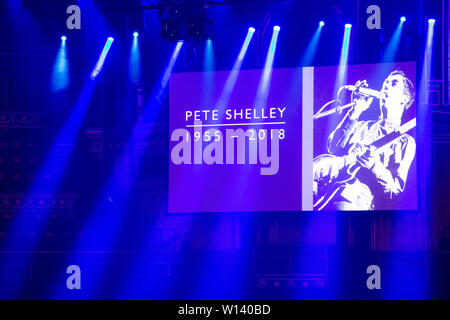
[(388, 140), (385, 142)]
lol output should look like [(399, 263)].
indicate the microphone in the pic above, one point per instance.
[(364, 91)]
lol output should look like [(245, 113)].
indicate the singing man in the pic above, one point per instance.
[(384, 174)]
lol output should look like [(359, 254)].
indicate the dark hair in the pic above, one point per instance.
[(408, 87)]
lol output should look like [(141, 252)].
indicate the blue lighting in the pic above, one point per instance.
[(135, 60), (101, 59), (168, 71), (403, 19), (310, 51), (60, 74), (348, 26), (264, 83), (208, 77), (341, 78), (117, 189), (232, 77), (251, 29), (392, 47), (208, 64), (135, 34), (431, 21)]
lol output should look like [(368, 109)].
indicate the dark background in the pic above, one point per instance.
[(129, 247)]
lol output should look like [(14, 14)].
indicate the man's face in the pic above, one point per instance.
[(393, 99)]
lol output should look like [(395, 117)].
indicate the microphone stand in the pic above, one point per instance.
[(338, 109)]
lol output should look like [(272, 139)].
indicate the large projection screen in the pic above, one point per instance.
[(293, 139)]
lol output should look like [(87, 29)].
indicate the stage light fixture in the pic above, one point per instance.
[(135, 34), (321, 23), (199, 28), (403, 19), (431, 21), (348, 26), (251, 29), (186, 21), (276, 28), (63, 38)]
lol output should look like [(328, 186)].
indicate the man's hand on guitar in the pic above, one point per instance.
[(367, 159)]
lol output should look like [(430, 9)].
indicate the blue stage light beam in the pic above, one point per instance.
[(60, 75), (264, 84), (168, 72), (260, 101), (392, 47), (208, 63), (56, 162), (102, 227), (343, 60), (311, 50), (427, 61), (204, 274), (424, 114), (234, 73), (134, 66), (208, 76), (102, 58)]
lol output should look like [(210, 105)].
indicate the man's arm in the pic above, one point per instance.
[(338, 139), (393, 181)]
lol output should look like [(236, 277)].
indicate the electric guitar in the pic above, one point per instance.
[(331, 173)]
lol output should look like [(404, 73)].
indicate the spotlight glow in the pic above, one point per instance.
[(348, 26), (251, 29), (208, 63), (232, 77), (431, 21), (276, 28), (60, 74), (342, 70), (168, 71), (101, 59), (135, 34), (392, 47), (264, 83), (134, 66), (311, 50)]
